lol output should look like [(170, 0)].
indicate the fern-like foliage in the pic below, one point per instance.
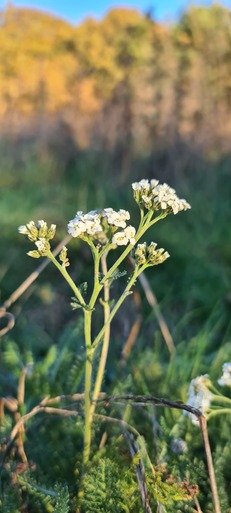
[(107, 490)]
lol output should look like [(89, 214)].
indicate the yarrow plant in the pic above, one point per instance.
[(205, 397), (104, 231)]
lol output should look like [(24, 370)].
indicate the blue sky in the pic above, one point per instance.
[(76, 10)]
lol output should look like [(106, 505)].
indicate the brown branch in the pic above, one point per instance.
[(144, 400), (212, 478)]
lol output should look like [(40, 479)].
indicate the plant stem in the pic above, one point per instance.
[(123, 296), (212, 478), (103, 357), (67, 277), (220, 411), (222, 399), (87, 393)]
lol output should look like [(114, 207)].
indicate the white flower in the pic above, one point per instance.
[(178, 446), (88, 224), (130, 234), (225, 379), (143, 185), (199, 396), (23, 229), (154, 183), (116, 218), (124, 237)]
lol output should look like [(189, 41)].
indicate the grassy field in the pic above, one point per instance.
[(193, 290)]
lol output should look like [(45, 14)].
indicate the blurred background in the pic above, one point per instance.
[(94, 97)]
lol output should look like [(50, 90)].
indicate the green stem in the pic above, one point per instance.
[(221, 399), (144, 225), (123, 296), (104, 353), (67, 277), (87, 393), (218, 411), (97, 287)]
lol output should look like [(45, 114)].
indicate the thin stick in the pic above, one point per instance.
[(151, 298), (33, 276), (212, 478)]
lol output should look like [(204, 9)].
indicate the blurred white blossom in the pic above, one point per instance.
[(225, 379), (199, 396), (178, 446)]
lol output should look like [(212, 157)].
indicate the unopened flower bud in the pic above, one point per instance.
[(43, 247), (51, 232), (63, 257), (42, 229), (34, 254)]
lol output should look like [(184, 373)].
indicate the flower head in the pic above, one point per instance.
[(154, 196), (85, 224), (156, 256), (149, 254), (199, 395), (225, 379), (40, 234), (101, 226)]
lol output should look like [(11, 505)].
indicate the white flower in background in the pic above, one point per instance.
[(124, 237), (199, 396), (178, 446), (225, 379), (116, 218), (85, 224)]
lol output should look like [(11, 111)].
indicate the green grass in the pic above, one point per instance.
[(193, 291)]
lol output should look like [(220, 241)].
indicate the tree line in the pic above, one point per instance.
[(124, 82)]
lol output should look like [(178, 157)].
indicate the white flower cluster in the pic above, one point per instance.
[(145, 254), (85, 224), (103, 226), (40, 234), (154, 196), (225, 379), (199, 396), (116, 218)]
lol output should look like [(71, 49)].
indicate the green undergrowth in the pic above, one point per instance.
[(193, 292)]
